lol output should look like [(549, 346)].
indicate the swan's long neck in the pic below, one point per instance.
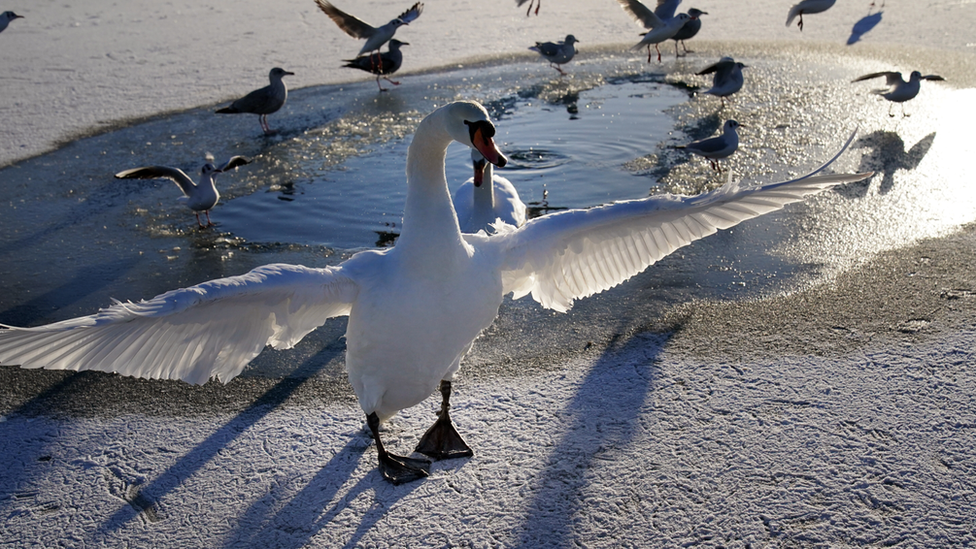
[(429, 221), (484, 196)]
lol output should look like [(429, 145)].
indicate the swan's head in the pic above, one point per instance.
[(471, 126), (479, 163)]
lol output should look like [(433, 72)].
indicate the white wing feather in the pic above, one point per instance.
[(210, 330), (565, 256)]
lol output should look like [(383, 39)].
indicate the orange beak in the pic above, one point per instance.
[(479, 172), (481, 138)]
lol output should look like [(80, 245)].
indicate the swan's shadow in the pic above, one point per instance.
[(887, 155), (607, 408), (210, 448)]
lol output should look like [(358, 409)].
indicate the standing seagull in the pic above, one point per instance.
[(665, 10), (264, 101), (389, 63), (899, 91), (808, 6), (728, 77), (486, 198), (660, 30), (689, 30), (718, 147), (6, 17), (200, 197), (557, 54), (415, 309), (375, 36)]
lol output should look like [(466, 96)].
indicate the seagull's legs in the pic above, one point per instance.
[(676, 55), (396, 469), (658, 50), (557, 68), (202, 226), (442, 440), (209, 223), (382, 89), (264, 124), (800, 24), (538, 4), (685, 47)]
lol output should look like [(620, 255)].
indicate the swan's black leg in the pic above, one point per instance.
[(442, 440), (396, 469)]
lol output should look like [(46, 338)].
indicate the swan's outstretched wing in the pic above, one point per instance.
[(176, 175), (210, 330), (566, 256)]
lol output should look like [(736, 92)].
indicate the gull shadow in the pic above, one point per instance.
[(313, 508), (602, 418), (863, 26), (210, 448), (887, 155)]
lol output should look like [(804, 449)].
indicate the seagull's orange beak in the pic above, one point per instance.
[(481, 138)]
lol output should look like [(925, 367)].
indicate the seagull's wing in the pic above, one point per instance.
[(234, 162), (561, 257), (413, 13), (641, 13), (665, 9), (210, 330), (351, 25), (891, 77), (794, 11), (546, 48), (156, 172), (721, 65), (710, 145)]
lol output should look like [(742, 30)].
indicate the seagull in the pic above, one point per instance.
[(414, 309), (375, 36), (537, 3), (718, 147), (689, 30), (264, 101), (665, 10), (486, 198), (6, 17), (199, 197), (389, 63), (728, 77), (660, 30), (808, 6), (557, 54), (899, 91)]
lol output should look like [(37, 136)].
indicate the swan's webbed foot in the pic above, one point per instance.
[(399, 469), (442, 441), (396, 469)]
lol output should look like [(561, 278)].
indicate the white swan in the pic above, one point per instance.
[(414, 309), (486, 197)]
